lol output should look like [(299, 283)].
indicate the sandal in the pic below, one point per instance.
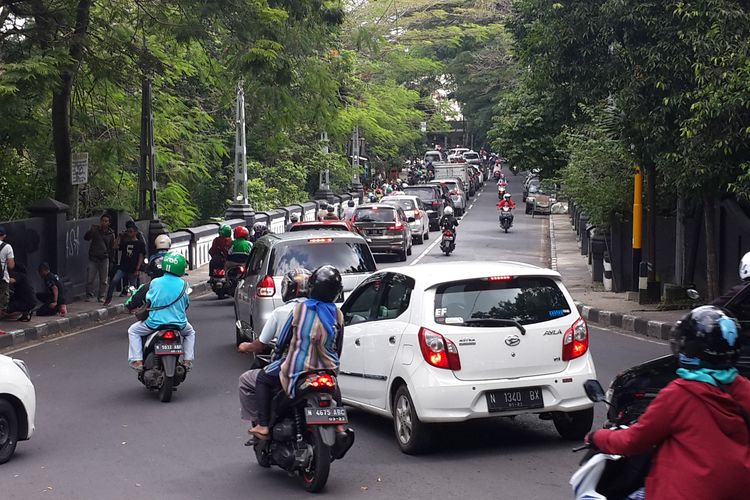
[(136, 365), (259, 435)]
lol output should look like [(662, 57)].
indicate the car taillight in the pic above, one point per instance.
[(169, 335), (266, 287), (399, 226), (575, 340), (435, 203), (438, 351), (242, 269), (417, 214)]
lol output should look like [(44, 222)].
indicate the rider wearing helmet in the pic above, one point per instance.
[(331, 213), (220, 249), (313, 334), (744, 276), (259, 231), (506, 202), (240, 250), (448, 221), (162, 244), (167, 300), (322, 211), (698, 423), (294, 289)]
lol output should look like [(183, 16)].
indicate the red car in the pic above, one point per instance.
[(334, 225)]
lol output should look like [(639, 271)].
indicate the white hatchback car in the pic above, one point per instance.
[(449, 342), (17, 405)]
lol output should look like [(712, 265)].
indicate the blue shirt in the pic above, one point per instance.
[(275, 324), (162, 292)]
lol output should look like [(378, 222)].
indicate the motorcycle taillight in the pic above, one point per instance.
[(323, 381), (448, 233), (220, 272), (169, 335)]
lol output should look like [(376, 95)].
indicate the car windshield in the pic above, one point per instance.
[(450, 185), (524, 299), (375, 214), (401, 202), (471, 156), (347, 257), (432, 157), (424, 193)]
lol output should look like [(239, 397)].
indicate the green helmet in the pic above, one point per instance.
[(225, 230), (174, 263)]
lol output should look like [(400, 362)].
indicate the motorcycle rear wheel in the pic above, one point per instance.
[(166, 389), (315, 478)]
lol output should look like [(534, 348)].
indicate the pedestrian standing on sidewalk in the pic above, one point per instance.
[(132, 252), (7, 263), (53, 299), (102, 240)]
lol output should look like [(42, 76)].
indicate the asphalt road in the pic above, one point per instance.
[(101, 435)]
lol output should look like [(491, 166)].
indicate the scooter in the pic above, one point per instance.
[(602, 476), (303, 438), (163, 369), (218, 282), (448, 243), (506, 218)]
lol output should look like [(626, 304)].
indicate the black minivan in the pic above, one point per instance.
[(434, 200)]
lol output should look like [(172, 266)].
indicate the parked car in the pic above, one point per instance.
[(433, 199), (17, 405), (466, 340), (541, 198), (385, 228), (415, 212), (455, 191), (532, 181), (259, 289), (328, 225), (478, 174)]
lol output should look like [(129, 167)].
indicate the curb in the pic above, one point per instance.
[(633, 324), (71, 323)]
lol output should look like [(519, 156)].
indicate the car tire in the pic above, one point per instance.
[(419, 239), (574, 425), (529, 209), (402, 256), (411, 434), (427, 234), (8, 430), (408, 250)]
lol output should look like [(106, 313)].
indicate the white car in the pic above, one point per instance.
[(450, 342), (17, 405), (416, 214)]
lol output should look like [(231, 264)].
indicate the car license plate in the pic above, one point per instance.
[(335, 415), (375, 232), (525, 398), (162, 349)]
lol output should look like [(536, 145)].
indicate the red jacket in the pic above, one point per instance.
[(510, 203), (703, 442), (220, 246)]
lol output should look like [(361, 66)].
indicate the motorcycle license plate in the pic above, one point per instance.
[(164, 349), (334, 415), (448, 238), (524, 398)]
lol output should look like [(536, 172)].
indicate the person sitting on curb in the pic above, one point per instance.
[(53, 300)]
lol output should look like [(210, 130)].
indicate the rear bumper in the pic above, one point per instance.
[(385, 245), (441, 397)]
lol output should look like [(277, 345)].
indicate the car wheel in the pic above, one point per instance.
[(529, 209), (402, 255), (8, 430), (412, 435), (574, 425), (419, 239), (427, 234), (408, 250)]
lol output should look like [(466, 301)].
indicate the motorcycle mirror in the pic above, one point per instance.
[(693, 293), (594, 391), (189, 291)]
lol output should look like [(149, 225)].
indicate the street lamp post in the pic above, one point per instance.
[(356, 184), (324, 176), (240, 207)]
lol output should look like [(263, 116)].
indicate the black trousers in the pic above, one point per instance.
[(266, 387), (45, 310)]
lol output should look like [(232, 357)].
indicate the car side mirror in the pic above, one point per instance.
[(411, 219), (594, 391)]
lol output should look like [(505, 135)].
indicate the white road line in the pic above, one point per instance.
[(634, 337), (425, 252)]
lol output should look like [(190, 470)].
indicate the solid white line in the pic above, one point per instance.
[(426, 251), (634, 337)]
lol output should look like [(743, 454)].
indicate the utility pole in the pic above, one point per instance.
[(324, 180), (356, 184), (240, 207), (637, 224)]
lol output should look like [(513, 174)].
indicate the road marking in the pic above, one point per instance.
[(634, 337), (425, 252), (73, 334)]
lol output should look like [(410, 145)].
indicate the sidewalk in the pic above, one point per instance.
[(80, 315), (597, 306)]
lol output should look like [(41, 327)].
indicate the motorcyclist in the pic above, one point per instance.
[(699, 422), (744, 272), (313, 334), (331, 213), (162, 244), (259, 231), (168, 302), (506, 202), (240, 249), (448, 221), (294, 289), (349, 210), (220, 249)]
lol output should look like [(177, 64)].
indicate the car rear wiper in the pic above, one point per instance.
[(496, 321)]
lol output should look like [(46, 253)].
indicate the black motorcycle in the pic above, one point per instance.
[(232, 276), (448, 243), (303, 438), (163, 369)]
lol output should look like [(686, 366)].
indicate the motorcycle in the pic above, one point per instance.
[(506, 218), (303, 438), (233, 273), (448, 243), (602, 476), (514, 169), (218, 282), (163, 369)]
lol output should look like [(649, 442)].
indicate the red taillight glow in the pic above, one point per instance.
[(499, 278), (320, 240), (448, 233), (242, 269), (169, 335), (438, 351), (219, 272), (417, 214), (399, 226), (575, 340), (266, 287), (325, 381)]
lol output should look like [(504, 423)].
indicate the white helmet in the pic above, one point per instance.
[(506, 196), (448, 211), (162, 242), (745, 267)]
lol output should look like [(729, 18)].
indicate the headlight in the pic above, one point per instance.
[(25, 369)]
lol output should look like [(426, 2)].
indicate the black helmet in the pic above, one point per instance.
[(707, 337), (325, 284), (259, 230), (295, 284)]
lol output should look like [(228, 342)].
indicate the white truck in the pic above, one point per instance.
[(455, 171)]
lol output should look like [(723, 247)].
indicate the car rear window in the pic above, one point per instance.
[(471, 156), (525, 299), (375, 214), (403, 203), (312, 227), (347, 257), (424, 193)]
